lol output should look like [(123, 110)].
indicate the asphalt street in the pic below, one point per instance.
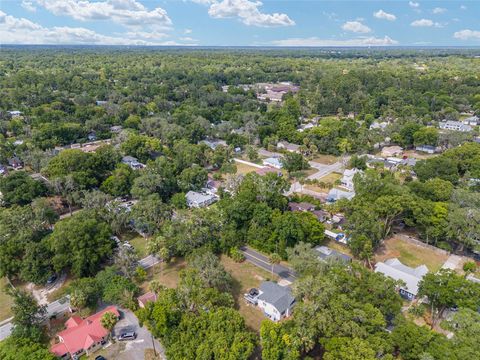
[(263, 262)]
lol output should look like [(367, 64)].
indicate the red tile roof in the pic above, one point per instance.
[(80, 333), (149, 296)]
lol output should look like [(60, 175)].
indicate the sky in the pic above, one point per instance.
[(241, 22)]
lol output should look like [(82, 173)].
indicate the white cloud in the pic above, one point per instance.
[(425, 23), (439, 10), (187, 31), (248, 12), (356, 27), (380, 14), (315, 41), (414, 4), (28, 5), (125, 12), (467, 35), (463, 7), (23, 31)]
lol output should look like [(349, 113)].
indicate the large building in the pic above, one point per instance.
[(276, 301), (82, 336), (411, 277), (455, 126)]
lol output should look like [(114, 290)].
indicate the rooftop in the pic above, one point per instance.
[(278, 296), (394, 269)]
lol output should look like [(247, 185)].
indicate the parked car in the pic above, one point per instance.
[(100, 357), (130, 335), (52, 279)]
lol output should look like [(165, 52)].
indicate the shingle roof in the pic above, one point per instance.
[(325, 253), (394, 269), (278, 296)]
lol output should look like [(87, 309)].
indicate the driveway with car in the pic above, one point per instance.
[(130, 349)]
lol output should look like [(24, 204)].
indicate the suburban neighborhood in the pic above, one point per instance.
[(225, 203)]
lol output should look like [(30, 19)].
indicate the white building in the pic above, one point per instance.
[(347, 178), (472, 120), (455, 126), (198, 200), (285, 145), (133, 162), (411, 277), (273, 162), (275, 301)]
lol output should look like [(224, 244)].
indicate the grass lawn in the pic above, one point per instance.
[(326, 159), (5, 300), (246, 276), (328, 179), (410, 254), (244, 168), (137, 241), (169, 277), (335, 245)]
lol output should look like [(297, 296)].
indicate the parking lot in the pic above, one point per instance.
[(132, 349)]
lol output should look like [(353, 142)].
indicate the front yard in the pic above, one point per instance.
[(137, 241), (5, 300), (410, 254), (169, 276), (246, 276)]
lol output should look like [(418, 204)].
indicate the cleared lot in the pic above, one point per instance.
[(410, 254), (246, 276)]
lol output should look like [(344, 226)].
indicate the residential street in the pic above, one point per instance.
[(263, 262)]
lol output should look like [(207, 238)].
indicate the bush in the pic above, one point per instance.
[(237, 255)]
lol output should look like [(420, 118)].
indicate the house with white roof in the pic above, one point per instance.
[(198, 199), (274, 162), (337, 194), (347, 178), (285, 145), (472, 120), (411, 277), (455, 126)]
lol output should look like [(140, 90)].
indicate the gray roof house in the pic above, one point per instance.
[(132, 162), (394, 269), (337, 194), (455, 125), (325, 253), (273, 162), (197, 199), (288, 146), (276, 301)]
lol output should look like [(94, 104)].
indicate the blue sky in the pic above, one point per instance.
[(241, 22)]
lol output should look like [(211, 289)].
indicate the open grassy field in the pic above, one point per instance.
[(137, 241), (326, 159), (5, 300), (418, 155), (246, 276), (168, 277), (244, 168), (410, 254), (328, 179)]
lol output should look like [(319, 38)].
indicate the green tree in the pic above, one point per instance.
[(108, 321), (81, 243), (27, 316), (14, 348), (19, 188), (294, 162)]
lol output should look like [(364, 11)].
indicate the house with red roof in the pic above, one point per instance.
[(82, 336), (146, 298)]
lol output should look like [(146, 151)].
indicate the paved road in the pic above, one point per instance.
[(148, 261), (324, 170), (263, 262), (56, 307)]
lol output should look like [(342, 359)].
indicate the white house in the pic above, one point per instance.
[(15, 113), (337, 194), (429, 149), (347, 178), (390, 151), (288, 146), (198, 200), (472, 120), (275, 301), (273, 162), (411, 277), (454, 125), (133, 162)]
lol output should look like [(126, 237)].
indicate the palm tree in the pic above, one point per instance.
[(274, 259), (108, 321)]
